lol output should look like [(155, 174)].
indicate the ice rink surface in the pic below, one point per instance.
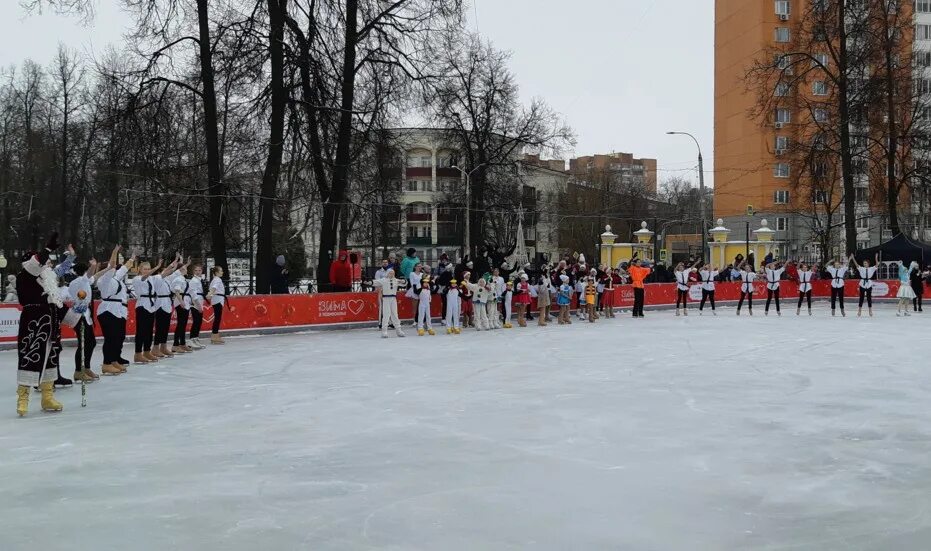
[(698, 433)]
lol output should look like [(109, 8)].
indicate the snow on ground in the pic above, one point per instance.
[(667, 433)]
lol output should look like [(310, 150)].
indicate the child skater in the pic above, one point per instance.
[(580, 291), (591, 298), (866, 273), (452, 308), (804, 287), (466, 295), (491, 307), (479, 300), (564, 300), (838, 273), (747, 277), (682, 288), (773, 278), (544, 299), (906, 294), (423, 307), (388, 287), (522, 299), (217, 297), (197, 305), (508, 299), (609, 279), (707, 276)]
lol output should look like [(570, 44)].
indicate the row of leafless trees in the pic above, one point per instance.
[(226, 122), (853, 101)]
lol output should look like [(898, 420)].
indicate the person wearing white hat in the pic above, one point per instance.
[(522, 299), (388, 287), (508, 299)]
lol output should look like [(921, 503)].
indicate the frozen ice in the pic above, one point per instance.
[(698, 433)]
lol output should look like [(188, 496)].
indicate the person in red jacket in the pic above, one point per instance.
[(341, 273)]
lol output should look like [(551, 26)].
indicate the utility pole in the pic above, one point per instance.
[(701, 190), (251, 235)]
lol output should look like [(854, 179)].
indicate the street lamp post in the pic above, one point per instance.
[(701, 189), (467, 242)]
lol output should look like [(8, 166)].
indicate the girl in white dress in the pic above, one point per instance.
[(905, 294)]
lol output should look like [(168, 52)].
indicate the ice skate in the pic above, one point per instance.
[(22, 400), (809, 311), (685, 311), (677, 312), (843, 314), (111, 369), (401, 333), (166, 352), (123, 361), (449, 330), (61, 382), (215, 338), (196, 344), (778, 313), (431, 332), (140, 358), (871, 312), (82, 376), (458, 331), (155, 354), (508, 326), (860, 312), (49, 403), (421, 332), (178, 350), (798, 311), (714, 313)]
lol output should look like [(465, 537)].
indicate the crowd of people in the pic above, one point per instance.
[(53, 293), (490, 297)]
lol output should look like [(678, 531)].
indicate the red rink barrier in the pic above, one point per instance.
[(269, 311)]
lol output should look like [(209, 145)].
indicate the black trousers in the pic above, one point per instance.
[(181, 325), (217, 317), (682, 297), (868, 295), (197, 318), (740, 303), (638, 302), (706, 295), (837, 294), (87, 346), (770, 293), (114, 334), (145, 322), (802, 295), (162, 326), (916, 302)]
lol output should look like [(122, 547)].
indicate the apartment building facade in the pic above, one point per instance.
[(630, 171), (754, 177)]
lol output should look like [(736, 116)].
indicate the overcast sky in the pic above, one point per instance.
[(622, 72)]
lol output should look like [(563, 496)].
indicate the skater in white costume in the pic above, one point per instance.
[(773, 278), (453, 326), (866, 273), (682, 288), (482, 291), (388, 287), (838, 273), (707, 275), (747, 277), (906, 294), (804, 288), (423, 308)]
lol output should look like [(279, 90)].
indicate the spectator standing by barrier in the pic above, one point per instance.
[(341, 273), (278, 282), (638, 274)]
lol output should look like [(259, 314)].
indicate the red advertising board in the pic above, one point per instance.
[(267, 311)]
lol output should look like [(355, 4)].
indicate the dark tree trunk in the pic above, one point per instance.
[(333, 207), (892, 184), (216, 188), (850, 221), (265, 248)]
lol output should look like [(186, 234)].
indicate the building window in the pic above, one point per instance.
[(922, 32), (426, 185), (782, 223), (820, 115), (820, 197), (782, 144), (819, 88), (863, 223), (782, 116), (820, 60), (923, 6), (861, 195), (781, 197), (412, 185), (782, 89), (782, 7), (782, 34), (781, 170), (783, 63)]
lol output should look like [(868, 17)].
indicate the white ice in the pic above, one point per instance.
[(698, 433)]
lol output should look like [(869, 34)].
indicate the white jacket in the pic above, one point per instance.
[(113, 293)]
